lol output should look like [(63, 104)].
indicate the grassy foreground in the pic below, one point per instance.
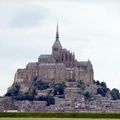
[(56, 119), (59, 115)]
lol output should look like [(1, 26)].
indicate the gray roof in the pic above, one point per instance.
[(51, 64), (44, 56), (64, 50), (57, 44), (82, 63), (31, 65)]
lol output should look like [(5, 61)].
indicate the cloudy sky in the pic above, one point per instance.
[(90, 28)]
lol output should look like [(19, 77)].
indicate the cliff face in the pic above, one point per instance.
[(65, 96)]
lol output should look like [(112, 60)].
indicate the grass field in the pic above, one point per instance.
[(59, 116), (56, 119)]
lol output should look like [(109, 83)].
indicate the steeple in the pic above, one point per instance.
[(57, 33), (57, 43)]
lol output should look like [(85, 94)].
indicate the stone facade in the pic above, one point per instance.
[(60, 66)]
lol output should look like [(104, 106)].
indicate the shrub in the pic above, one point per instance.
[(50, 100), (87, 95), (115, 94), (81, 84), (28, 96), (40, 85), (42, 98), (98, 82), (59, 89), (102, 91), (103, 84), (13, 91)]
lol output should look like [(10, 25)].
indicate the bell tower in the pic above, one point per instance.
[(56, 46)]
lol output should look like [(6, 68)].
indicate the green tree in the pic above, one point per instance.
[(103, 84), (102, 91), (27, 96), (59, 89), (87, 95), (40, 85), (81, 84), (13, 91), (50, 100), (115, 94), (31, 94), (98, 82)]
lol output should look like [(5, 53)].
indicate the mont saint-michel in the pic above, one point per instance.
[(58, 67), (59, 82)]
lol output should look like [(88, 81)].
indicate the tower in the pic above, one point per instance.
[(56, 48)]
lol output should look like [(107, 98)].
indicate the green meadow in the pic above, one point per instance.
[(57, 119), (59, 116)]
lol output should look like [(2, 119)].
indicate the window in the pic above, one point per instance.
[(55, 49)]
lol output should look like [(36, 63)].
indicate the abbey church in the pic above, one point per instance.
[(59, 66)]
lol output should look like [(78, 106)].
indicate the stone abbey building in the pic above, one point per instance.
[(57, 67)]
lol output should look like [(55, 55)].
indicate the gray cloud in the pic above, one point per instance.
[(88, 28), (28, 16)]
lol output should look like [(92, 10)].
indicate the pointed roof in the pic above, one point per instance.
[(57, 33), (57, 42)]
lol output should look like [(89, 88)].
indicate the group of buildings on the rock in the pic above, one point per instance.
[(7, 104), (57, 67), (60, 66)]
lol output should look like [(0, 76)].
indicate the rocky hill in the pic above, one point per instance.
[(65, 96), (59, 82)]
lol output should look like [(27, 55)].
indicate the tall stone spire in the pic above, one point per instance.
[(57, 43), (57, 33)]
